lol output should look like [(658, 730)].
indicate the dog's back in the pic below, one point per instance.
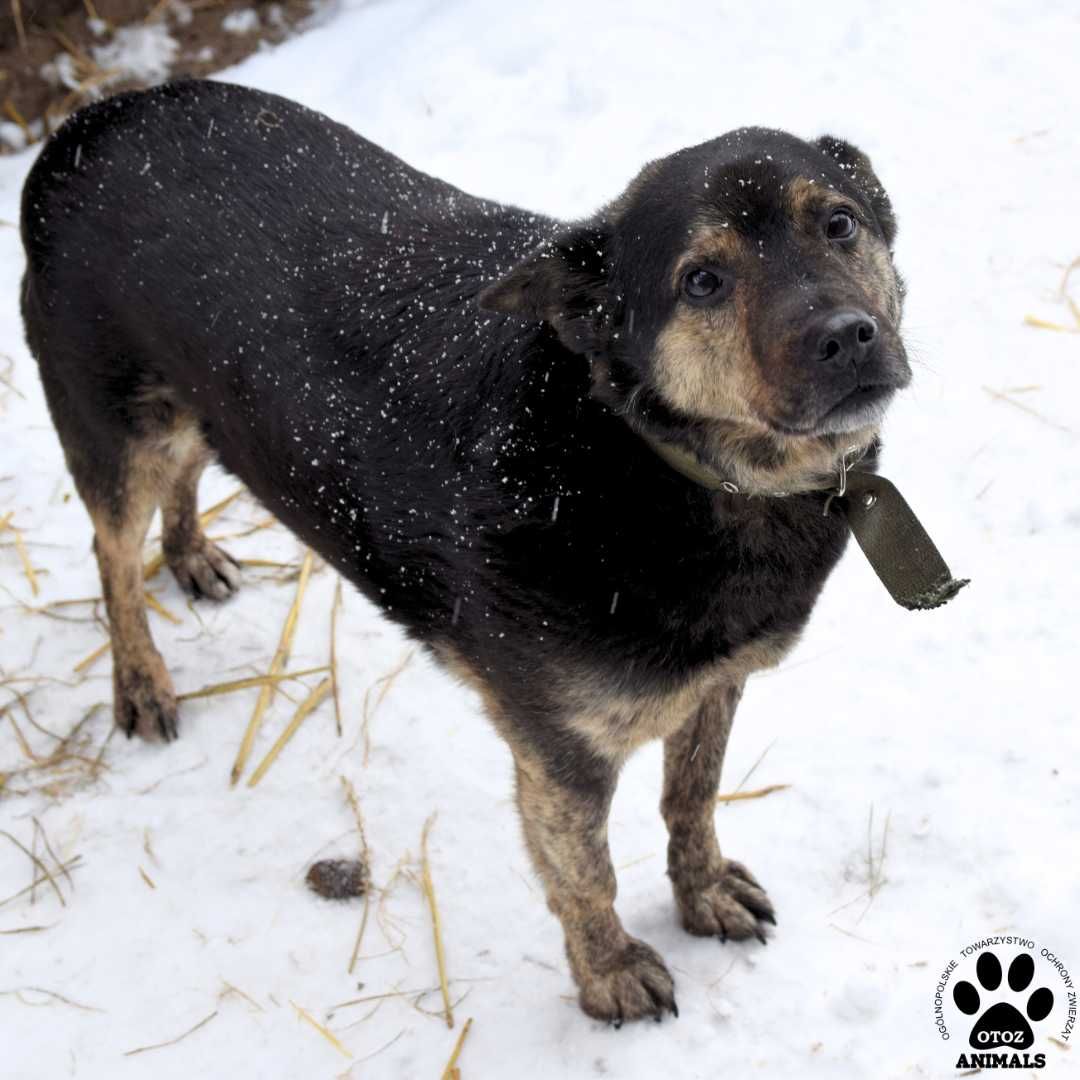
[(319, 335)]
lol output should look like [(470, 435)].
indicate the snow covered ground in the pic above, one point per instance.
[(956, 727)]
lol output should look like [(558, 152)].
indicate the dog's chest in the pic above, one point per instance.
[(616, 720)]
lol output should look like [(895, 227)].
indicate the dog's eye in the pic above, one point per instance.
[(704, 285), (842, 225)]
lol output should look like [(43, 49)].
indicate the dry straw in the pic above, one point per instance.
[(172, 1042), (1067, 300), (233, 685), (24, 555), (307, 706), (325, 1032), (333, 654), (384, 683), (451, 1069), (365, 857), (266, 694), (759, 793), (428, 887)]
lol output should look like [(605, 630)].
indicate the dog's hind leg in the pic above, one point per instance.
[(143, 698), (200, 567)]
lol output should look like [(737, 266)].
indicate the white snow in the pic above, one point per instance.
[(957, 727), (142, 51), (243, 21), (145, 52)]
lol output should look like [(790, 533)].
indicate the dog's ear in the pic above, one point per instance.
[(857, 168), (563, 283)]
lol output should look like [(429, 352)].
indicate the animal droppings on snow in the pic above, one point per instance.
[(338, 879)]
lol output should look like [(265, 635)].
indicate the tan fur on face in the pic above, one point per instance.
[(703, 362), (703, 366), (710, 245), (805, 198), (871, 266)]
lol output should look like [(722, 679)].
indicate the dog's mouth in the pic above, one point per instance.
[(863, 407), (858, 408)]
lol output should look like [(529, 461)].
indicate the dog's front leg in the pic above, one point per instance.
[(619, 977), (716, 896)]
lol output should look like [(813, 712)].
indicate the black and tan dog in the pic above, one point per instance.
[(473, 413)]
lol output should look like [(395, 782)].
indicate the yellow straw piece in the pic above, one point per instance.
[(308, 706), (1044, 324), (436, 926), (247, 684), (24, 556), (326, 1033), (266, 695), (93, 658), (451, 1069), (155, 604), (736, 796)]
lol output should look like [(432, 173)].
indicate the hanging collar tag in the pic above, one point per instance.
[(895, 543), (891, 537)]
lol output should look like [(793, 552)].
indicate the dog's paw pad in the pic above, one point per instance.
[(206, 570), (731, 905), (632, 985), (1003, 1024)]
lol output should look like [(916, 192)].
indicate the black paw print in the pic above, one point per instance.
[(1003, 1024)]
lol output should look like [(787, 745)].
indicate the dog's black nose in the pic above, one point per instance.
[(844, 337)]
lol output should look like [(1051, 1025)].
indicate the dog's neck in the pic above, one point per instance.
[(735, 457), (830, 475), (741, 462)]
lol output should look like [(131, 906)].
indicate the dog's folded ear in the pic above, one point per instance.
[(857, 168), (563, 283)]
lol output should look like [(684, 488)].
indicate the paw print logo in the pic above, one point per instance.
[(1002, 1024)]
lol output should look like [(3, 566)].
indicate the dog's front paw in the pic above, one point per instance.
[(633, 983), (144, 702), (731, 904)]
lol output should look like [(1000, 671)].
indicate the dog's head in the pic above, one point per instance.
[(739, 296)]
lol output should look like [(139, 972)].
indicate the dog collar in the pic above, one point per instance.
[(885, 527)]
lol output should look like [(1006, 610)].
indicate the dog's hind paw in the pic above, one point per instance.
[(205, 570), (633, 985), (731, 905)]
